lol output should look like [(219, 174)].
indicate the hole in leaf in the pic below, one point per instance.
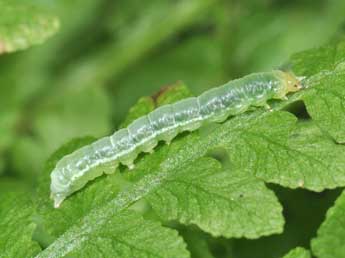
[(299, 109)]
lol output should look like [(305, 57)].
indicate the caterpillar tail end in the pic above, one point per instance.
[(57, 201)]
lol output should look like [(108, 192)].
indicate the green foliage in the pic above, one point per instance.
[(179, 184), (220, 201), (303, 212), (226, 190), (16, 225), (298, 253), (126, 234), (23, 24), (327, 110), (330, 236)]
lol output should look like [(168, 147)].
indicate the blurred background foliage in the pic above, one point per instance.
[(107, 54)]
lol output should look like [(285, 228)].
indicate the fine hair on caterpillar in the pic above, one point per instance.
[(73, 171)]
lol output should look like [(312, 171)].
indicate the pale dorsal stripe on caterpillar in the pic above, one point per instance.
[(73, 171)]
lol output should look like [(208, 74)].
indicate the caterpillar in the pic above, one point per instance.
[(73, 171)]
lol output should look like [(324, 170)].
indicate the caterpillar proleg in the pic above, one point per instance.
[(73, 171)]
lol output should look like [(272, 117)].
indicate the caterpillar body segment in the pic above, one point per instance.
[(73, 171)]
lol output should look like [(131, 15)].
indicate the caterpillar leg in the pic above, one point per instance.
[(149, 146), (263, 103), (220, 118), (268, 107), (191, 127), (129, 160), (109, 168), (129, 163), (168, 136)]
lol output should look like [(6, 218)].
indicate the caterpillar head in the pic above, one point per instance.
[(291, 83)]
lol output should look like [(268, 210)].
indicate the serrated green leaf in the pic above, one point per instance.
[(102, 214), (329, 58), (273, 146), (220, 201), (126, 234), (329, 242), (278, 150), (52, 219), (304, 212), (154, 172), (91, 197), (62, 246), (16, 225), (325, 101), (23, 24), (298, 252)]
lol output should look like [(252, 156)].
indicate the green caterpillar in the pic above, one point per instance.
[(73, 171)]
